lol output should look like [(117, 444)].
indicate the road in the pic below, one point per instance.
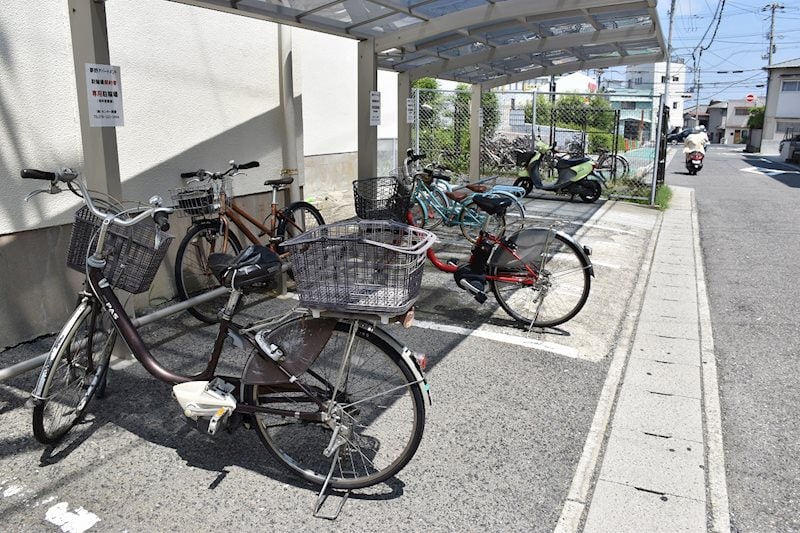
[(747, 210)]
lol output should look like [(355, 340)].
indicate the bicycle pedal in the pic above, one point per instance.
[(452, 262), (480, 297)]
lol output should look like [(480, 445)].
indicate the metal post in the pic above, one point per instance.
[(416, 120), (87, 22), (403, 127), (367, 135), (475, 134), (533, 120), (292, 116), (656, 158)]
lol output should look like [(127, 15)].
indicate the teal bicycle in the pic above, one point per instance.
[(435, 202)]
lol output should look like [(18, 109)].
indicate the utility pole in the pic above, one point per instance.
[(697, 88), (772, 7)]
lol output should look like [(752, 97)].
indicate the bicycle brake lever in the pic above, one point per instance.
[(54, 189)]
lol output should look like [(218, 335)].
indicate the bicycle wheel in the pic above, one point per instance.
[(556, 290), (417, 214), (612, 168), (436, 205), (382, 407), (298, 218), (75, 373), (471, 219), (193, 275)]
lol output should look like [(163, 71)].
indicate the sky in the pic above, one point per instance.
[(741, 42)]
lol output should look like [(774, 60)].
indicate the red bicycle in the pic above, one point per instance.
[(539, 276)]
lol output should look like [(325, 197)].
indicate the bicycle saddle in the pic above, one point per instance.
[(286, 180), (255, 264), (566, 163), (491, 204)]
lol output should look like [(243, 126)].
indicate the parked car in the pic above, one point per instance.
[(678, 136)]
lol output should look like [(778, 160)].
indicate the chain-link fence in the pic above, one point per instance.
[(615, 131)]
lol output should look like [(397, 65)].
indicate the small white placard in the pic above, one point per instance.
[(480, 117), (411, 117), (104, 89), (374, 108)]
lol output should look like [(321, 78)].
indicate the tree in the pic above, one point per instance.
[(756, 118)]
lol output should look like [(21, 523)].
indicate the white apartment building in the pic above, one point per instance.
[(653, 76)]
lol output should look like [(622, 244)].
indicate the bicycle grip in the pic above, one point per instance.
[(251, 164), (189, 174), (33, 174), (162, 220)]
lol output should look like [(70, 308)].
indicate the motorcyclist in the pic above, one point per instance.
[(695, 142)]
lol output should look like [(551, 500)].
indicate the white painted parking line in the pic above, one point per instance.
[(527, 342)]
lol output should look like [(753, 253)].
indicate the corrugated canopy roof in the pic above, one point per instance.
[(486, 42)]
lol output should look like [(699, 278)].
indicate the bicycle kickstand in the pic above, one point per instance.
[(331, 451), (323, 496)]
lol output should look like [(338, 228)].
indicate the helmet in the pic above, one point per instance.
[(699, 129)]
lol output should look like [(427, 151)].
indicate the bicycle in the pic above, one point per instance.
[(611, 166), (336, 399), (212, 208), (434, 202), (541, 277)]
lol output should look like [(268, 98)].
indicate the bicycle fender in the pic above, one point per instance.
[(36, 395), (407, 357), (301, 340), (582, 250)]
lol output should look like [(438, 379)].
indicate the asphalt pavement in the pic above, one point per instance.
[(603, 424)]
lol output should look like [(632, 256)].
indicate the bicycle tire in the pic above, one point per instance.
[(417, 214), (610, 171), (392, 405), (559, 292), (437, 205), (296, 219), (193, 276), (471, 219), (89, 334)]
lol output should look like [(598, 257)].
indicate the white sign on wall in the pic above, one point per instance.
[(410, 115), (374, 108), (104, 89)]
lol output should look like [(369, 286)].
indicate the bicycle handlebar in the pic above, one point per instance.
[(67, 175), (232, 170)]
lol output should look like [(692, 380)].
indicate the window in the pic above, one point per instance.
[(674, 105), (675, 78), (628, 105), (638, 81), (742, 111), (790, 86), (630, 84), (663, 79)]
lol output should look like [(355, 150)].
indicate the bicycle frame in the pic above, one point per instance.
[(236, 214), (529, 278)]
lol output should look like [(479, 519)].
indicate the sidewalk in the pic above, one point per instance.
[(662, 467)]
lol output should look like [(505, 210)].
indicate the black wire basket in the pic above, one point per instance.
[(386, 198), (132, 254), (363, 266)]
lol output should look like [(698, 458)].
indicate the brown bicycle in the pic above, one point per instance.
[(208, 200)]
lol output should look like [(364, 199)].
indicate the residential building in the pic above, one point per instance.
[(652, 77), (636, 112), (727, 121), (782, 113)]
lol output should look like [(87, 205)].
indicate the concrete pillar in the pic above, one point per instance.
[(87, 21), (367, 135)]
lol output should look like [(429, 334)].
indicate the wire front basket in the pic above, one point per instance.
[(366, 266), (132, 255), (201, 199), (386, 198)]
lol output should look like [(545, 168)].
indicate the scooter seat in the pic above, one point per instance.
[(567, 163)]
